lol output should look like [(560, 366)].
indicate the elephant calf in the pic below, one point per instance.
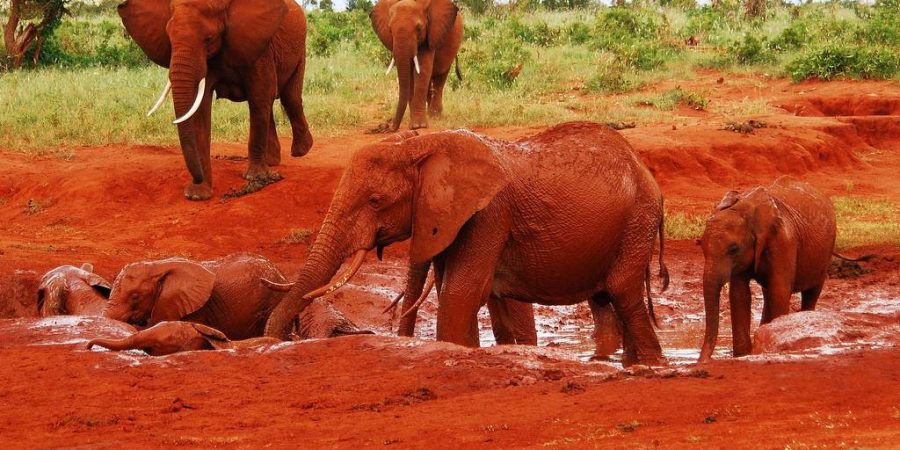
[(72, 290), (782, 236), (225, 294), (321, 320)]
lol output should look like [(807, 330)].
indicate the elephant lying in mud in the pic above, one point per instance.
[(319, 321), (782, 236), (566, 215), (225, 294), (72, 290)]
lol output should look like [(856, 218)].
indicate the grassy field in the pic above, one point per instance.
[(93, 84)]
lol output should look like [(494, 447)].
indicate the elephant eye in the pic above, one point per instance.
[(376, 200), (733, 249)]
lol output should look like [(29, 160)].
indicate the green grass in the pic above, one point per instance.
[(864, 222), (92, 85)]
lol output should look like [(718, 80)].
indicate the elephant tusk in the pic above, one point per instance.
[(201, 91), (280, 287), (416, 61), (415, 307), (162, 98), (390, 66), (393, 303), (355, 264)]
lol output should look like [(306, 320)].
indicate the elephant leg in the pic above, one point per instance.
[(420, 91), (739, 299), (292, 100), (273, 146), (810, 296), (436, 95), (628, 301), (767, 310), (415, 281), (260, 120), (777, 296), (499, 318), (512, 321), (607, 334), (468, 274)]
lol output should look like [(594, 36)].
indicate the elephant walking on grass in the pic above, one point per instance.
[(782, 236), (556, 218), (424, 37), (242, 50)]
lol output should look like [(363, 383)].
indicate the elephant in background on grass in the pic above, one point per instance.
[(72, 290), (250, 51), (424, 37), (782, 236), (556, 218)]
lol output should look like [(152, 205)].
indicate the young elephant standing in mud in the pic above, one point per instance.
[(556, 218), (782, 236), (72, 290)]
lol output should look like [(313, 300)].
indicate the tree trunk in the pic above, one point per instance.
[(754, 9)]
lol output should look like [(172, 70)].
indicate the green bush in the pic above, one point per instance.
[(842, 60), (89, 43), (491, 61), (610, 78), (751, 50), (639, 36)]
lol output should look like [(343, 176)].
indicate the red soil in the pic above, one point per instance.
[(113, 205)]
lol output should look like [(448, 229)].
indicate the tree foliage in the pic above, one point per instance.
[(28, 25)]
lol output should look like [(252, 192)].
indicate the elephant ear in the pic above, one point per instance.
[(184, 288), (730, 198), (146, 22), (441, 17), (249, 28), (381, 22), (458, 176), (767, 223)]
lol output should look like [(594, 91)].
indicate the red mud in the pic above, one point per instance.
[(113, 205)]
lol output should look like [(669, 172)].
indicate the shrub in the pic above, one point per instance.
[(638, 36), (610, 78), (842, 60), (751, 50)]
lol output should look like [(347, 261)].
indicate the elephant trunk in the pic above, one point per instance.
[(186, 71), (325, 258), (415, 283), (113, 344), (403, 55), (712, 289)]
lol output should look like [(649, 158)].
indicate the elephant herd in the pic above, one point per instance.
[(254, 51), (562, 217)]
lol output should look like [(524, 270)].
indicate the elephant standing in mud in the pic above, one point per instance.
[(225, 294), (782, 236), (72, 290), (556, 218), (424, 37), (242, 50)]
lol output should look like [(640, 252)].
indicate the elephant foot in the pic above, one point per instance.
[(435, 111), (384, 127), (273, 158), (416, 124), (300, 147), (202, 191), (260, 172)]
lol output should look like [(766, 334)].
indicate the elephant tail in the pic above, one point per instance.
[(663, 270), (863, 258), (458, 71), (650, 297)]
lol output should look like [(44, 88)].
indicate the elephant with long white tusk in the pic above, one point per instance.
[(233, 49), (424, 38)]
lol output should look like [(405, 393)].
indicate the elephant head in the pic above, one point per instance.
[(734, 241), (420, 187), (146, 293), (189, 36), (72, 290), (405, 27)]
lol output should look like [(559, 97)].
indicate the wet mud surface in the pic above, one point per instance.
[(826, 379)]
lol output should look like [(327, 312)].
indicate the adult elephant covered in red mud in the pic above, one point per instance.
[(243, 50), (559, 217), (782, 236)]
